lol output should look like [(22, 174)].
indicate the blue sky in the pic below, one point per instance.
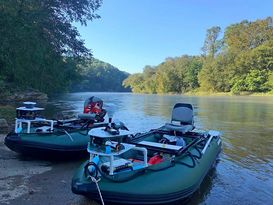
[(133, 33)]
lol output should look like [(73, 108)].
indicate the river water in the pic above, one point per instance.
[(244, 173)]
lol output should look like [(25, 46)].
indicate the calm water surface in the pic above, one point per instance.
[(244, 173)]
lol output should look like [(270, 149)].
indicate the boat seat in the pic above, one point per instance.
[(182, 113), (179, 128)]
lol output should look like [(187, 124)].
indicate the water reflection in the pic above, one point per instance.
[(247, 128), (205, 189)]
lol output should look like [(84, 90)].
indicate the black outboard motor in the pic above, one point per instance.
[(94, 105)]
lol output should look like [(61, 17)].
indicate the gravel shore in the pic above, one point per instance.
[(28, 181)]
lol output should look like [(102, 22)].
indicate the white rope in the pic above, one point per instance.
[(69, 135), (98, 188)]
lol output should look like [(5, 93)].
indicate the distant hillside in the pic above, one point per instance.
[(96, 75)]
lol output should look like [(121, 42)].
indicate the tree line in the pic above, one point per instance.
[(96, 75), (41, 49), (239, 61)]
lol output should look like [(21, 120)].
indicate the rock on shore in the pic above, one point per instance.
[(26, 96)]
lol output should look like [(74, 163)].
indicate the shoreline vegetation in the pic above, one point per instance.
[(238, 63), (203, 93), (212, 94)]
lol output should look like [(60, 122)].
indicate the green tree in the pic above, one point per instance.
[(38, 41), (212, 44), (248, 35), (253, 70), (96, 75), (174, 75), (192, 73), (247, 50), (149, 79), (241, 61), (135, 82)]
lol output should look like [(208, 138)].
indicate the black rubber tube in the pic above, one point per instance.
[(188, 165), (200, 153), (86, 170)]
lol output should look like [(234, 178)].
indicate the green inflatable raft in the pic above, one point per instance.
[(36, 136), (157, 167)]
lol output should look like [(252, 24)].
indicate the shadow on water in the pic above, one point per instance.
[(204, 190)]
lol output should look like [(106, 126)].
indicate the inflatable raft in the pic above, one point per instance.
[(158, 167), (54, 139)]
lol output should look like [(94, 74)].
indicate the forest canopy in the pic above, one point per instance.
[(96, 75), (39, 46), (239, 61), (41, 49)]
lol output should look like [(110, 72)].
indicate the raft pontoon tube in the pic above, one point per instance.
[(157, 167)]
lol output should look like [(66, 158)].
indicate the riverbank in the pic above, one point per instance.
[(13, 96), (26, 181), (202, 93), (213, 94), (10, 99)]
